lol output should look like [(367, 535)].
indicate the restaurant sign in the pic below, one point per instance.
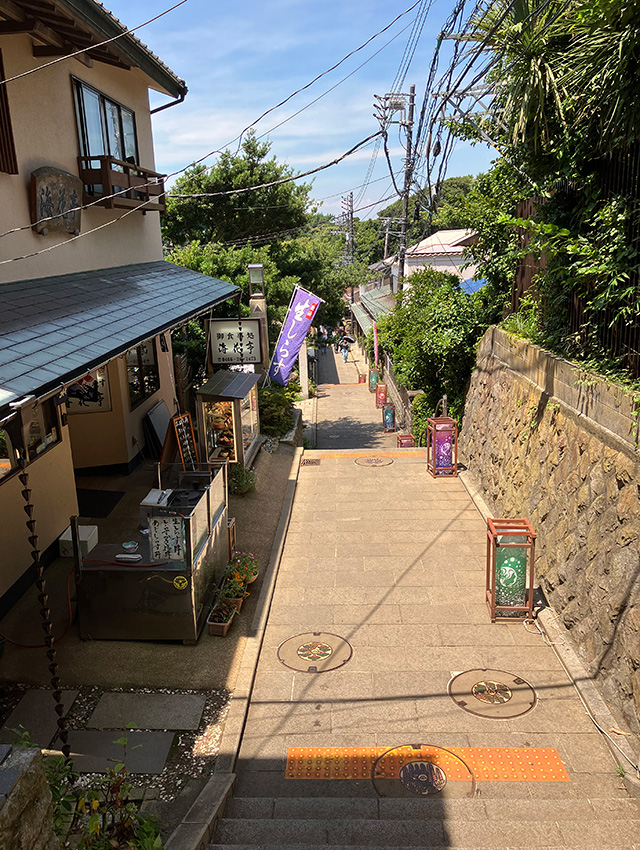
[(235, 341)]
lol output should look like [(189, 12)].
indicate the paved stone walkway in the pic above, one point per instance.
[(392, 561)]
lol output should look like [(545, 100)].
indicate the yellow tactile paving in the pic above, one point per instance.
[(489, 764), (400, 453)]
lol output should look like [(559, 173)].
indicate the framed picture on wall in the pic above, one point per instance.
[(90, 394)]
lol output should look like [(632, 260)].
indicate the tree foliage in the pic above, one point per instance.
[(239, 216), (431, 337)]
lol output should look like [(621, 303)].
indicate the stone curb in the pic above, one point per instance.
[(198, 824), (560, 642)]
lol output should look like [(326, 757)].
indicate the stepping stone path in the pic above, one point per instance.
[(148, 711), (35, 713)]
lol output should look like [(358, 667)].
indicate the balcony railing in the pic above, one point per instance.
[(120, 185)]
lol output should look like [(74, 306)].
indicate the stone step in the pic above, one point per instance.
[(477, 809), (273, 783), (459, 833)]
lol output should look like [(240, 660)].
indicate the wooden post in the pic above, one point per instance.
[(303, 365)]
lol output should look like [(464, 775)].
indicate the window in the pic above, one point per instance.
[(142, 372), (43, 431), (105, 128), (8, 160), (7, 458)]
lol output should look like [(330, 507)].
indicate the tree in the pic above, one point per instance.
[(243, 216), (431, 337)]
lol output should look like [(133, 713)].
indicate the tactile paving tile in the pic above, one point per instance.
[(489, 764)]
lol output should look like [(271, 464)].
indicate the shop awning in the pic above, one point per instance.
[(362, 318), (226, 384), (54, 329)]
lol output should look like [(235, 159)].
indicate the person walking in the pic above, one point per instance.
[(344, 350)]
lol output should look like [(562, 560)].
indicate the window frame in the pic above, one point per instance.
[(46, 417), (8, 158), (81, 122), (144, 370)]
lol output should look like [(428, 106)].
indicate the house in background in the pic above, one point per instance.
[(442, 251), (88, 303)]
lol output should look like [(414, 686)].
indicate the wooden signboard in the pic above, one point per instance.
[(180, 438)]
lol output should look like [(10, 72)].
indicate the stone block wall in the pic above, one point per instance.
[(543, 441), (26, 810)]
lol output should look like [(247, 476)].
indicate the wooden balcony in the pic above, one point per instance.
[(120, 185)]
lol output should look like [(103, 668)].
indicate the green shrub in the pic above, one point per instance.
[(241, 479)]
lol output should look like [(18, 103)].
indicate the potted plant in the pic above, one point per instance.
[(221, 617), (233, 587), (246, 564)]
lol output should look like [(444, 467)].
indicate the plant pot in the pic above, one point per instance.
[(219, 629), (236, 600), (253, 577)]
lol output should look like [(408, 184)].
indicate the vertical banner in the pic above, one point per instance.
[(296, 325), (375, 341)]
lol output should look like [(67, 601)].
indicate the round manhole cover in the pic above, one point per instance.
[(418, 770), (374, 461), (492, 693), (314, 652)]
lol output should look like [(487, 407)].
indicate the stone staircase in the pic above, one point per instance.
[(595, 811)]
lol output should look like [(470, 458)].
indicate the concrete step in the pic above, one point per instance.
[(477, 809), (458, 833)]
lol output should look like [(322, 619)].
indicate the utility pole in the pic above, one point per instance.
[(408, 166), (347, 206)]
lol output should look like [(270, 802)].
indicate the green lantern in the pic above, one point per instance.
[(511, 573)]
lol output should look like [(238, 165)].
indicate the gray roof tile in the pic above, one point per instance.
[(52, 329)]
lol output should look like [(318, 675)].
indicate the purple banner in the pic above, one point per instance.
[(294, 331)]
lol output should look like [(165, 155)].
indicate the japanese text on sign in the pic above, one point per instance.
[(294, 331), (166, 538), (235, 341)]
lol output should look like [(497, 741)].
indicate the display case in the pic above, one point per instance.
[(228, 417), (160, 585)]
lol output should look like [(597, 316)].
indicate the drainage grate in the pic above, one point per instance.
[(314, 652), (310, 461), (492, 693), (421, 771), (373, 461)]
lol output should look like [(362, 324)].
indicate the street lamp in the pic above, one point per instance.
[(256, 278)]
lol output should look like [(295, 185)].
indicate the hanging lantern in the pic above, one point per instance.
[(442, 446), (510, 557), (381, 395)]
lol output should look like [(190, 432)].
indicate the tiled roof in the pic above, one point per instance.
[(378, 302), (362, 317), (103, 22), (54, 329), (442, 242)]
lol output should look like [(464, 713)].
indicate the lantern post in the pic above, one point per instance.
[(510, 559)]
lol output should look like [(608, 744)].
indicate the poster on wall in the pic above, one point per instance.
[(90, 394), (235, 341), (166, 538)]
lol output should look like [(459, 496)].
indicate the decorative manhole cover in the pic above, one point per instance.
[(419, 770), (423, 778), (374, 461), (314, 652), (492, 693)]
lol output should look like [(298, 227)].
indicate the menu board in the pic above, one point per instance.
[(186, 440), (166, 538)]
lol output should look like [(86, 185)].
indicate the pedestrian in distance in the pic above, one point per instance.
[(344, 349)]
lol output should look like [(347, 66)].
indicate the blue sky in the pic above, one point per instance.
[(241, 58)]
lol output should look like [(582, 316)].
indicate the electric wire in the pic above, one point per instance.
[(237, 191), (92, 46)]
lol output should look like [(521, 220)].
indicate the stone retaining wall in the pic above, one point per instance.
[(545, 442)]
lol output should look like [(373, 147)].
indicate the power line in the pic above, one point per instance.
[(91, 46), (244, 190)]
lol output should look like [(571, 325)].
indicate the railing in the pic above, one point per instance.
[(120, 185)]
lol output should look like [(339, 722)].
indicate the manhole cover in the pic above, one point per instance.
[(419, 770), (374, 461), (310, 461), (314, 652), (492, 693)]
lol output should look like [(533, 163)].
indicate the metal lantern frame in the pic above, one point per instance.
[(441, 425), (509, 528), (389, 411), (381, 395)]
